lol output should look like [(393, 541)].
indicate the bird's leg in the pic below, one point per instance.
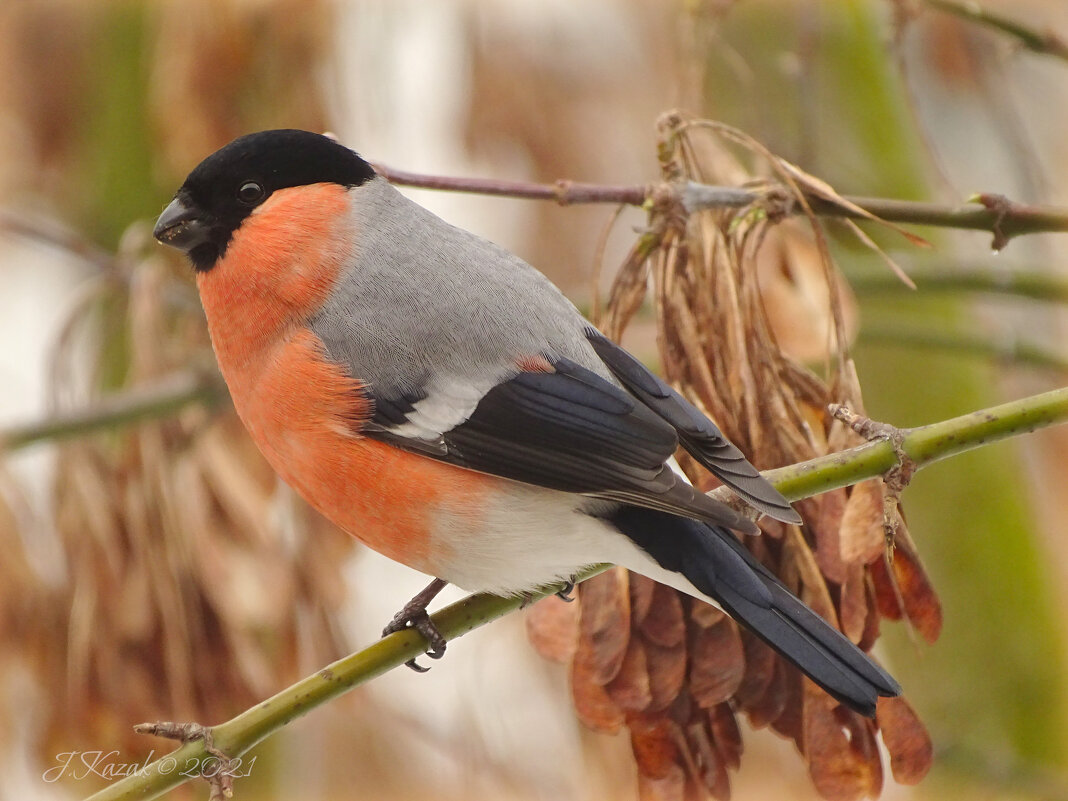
[(414, 616)]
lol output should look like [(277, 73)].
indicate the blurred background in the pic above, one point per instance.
[(155, 569)]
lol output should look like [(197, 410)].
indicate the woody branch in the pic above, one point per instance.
[(984, 212)]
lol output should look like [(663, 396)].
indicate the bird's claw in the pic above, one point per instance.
[(421, 622), (415, 616), (564, 593)]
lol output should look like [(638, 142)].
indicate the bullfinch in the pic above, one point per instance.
[(443, 402)]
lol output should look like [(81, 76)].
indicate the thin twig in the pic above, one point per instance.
[(1000, 281), (1008, 350), (563, 192), (984, 212), (1045, 43), (132, 406), (921, 445), (55, 234)]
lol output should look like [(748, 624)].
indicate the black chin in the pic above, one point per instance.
[(204, 256)]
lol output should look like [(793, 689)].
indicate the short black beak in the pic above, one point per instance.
[(182, 226)]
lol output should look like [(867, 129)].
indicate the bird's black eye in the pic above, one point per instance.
[(250, 193)]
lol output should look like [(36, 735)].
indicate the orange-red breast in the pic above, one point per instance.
[(443, 402)]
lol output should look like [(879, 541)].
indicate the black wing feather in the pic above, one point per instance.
[(724, 570), (574, 431), (698, 435), (392, 411)]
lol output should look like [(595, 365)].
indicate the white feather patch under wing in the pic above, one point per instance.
[(446, 405)]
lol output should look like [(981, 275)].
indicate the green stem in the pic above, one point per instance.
[(1043, 42), (1006, 280), (1005, 350), (159, 400), (238, 735), (922, 445)]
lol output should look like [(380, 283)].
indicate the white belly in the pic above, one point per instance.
[(531, 537)]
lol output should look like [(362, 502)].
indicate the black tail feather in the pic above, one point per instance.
[(723, 569), (820, 651)]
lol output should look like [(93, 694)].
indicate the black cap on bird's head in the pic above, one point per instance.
[(226, 186)]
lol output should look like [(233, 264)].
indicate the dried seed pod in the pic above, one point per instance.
[(740, 296)]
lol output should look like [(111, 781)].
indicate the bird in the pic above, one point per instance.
[(442, 401)]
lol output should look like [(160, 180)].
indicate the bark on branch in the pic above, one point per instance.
[(984, 212)]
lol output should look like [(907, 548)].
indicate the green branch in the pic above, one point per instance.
[(238, 735), (1003, 280), (1007, 350), (1044, 43), (163, 399), (922, 445)]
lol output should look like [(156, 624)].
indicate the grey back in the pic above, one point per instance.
[(425, 305)]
